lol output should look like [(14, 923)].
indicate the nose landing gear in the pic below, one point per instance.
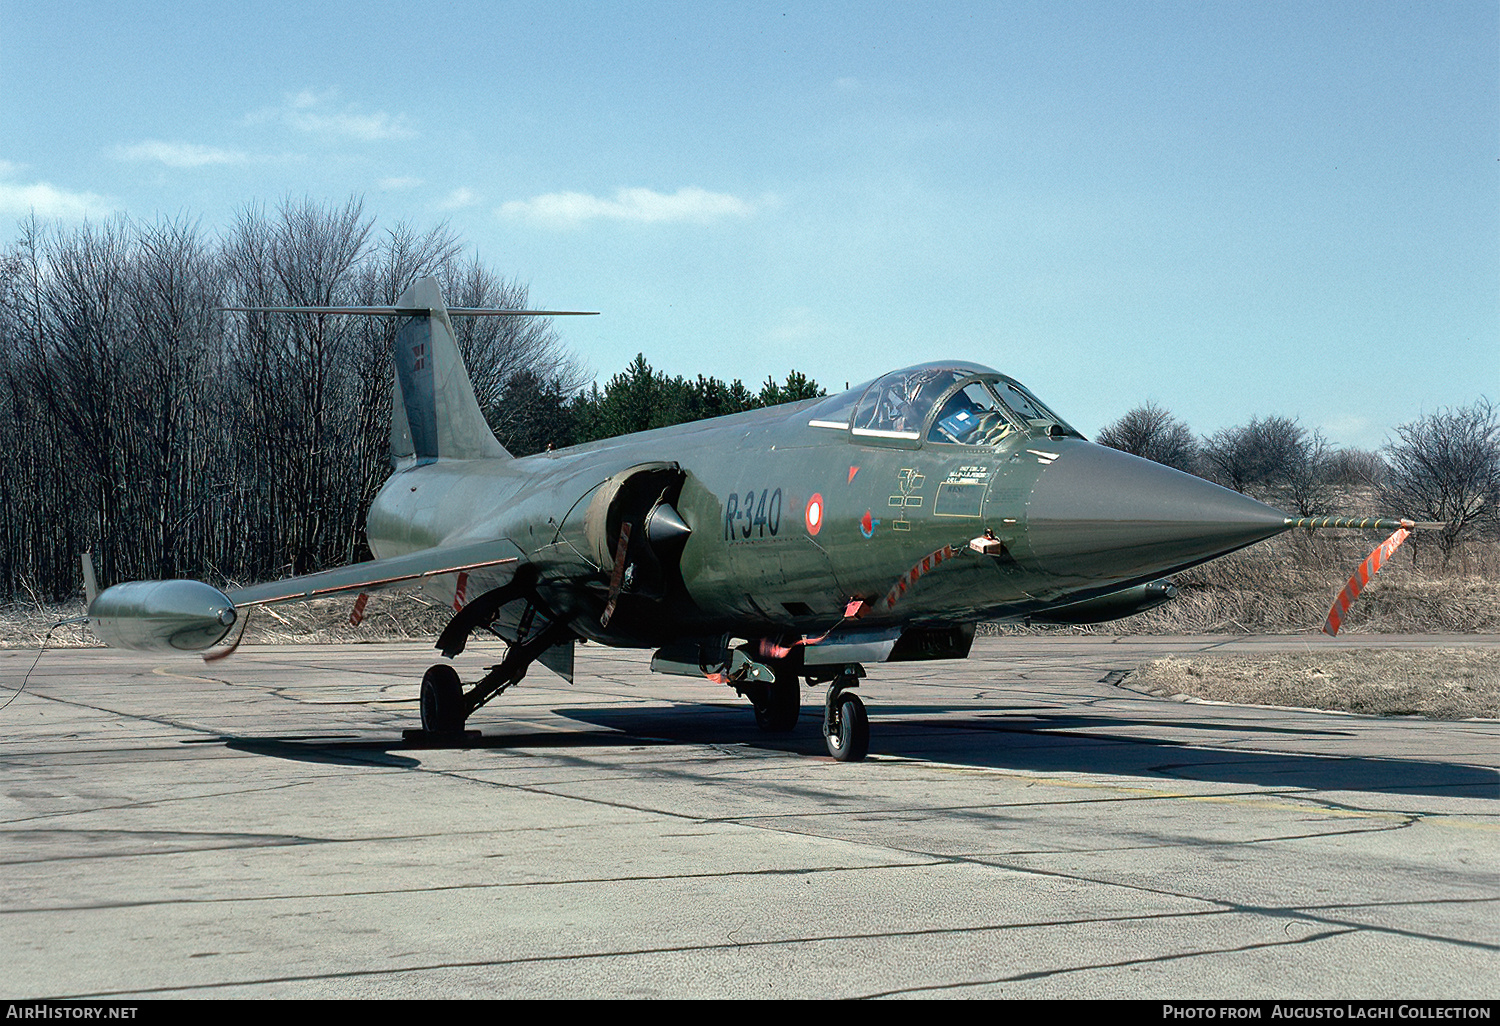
[(846, 725)]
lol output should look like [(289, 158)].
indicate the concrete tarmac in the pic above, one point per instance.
[(1024, 827)]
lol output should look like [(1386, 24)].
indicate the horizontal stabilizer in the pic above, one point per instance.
[(406, 311)]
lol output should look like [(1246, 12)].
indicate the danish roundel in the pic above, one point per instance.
[(814, 514)]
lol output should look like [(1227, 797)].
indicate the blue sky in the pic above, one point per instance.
[(1233, 209)]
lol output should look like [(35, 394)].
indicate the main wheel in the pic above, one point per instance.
[(848, 735), (777, 703), (442, 700)]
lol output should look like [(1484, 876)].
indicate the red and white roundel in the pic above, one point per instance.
[(814, 514)]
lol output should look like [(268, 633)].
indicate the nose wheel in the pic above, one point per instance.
[(846, 725)]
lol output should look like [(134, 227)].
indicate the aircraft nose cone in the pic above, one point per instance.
[(1097, 514)]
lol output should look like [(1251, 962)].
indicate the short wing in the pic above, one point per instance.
[(499, 558)]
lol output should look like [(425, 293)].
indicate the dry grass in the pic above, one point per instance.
[(1441, 684), (25, 624), (393, 617), (399, 617)]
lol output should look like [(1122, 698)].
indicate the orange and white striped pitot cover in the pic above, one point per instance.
[(1368, 569)]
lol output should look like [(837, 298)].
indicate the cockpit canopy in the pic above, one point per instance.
[(943, 403)]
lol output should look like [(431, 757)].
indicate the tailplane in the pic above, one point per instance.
[(434, 413)]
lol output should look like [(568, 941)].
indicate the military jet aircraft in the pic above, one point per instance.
[(802, 542)]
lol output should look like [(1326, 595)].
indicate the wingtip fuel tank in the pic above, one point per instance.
[(162, 616)]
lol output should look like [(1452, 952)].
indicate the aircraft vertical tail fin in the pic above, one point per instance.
[(434, 414)]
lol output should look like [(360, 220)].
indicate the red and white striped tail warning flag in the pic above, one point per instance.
[(358, 612), (1368, 569), (461, 593)]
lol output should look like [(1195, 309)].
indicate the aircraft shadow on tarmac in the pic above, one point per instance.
[(1067, 742), (1038, 741), (347, 751)]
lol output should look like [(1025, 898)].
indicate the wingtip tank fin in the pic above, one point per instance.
[(90, 582)]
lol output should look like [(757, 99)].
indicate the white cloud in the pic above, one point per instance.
[(323, 114), (459, 198), (47, 200), (399, 183), (846, 85), (179, 154), (645, 205)]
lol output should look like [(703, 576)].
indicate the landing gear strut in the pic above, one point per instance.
[(846, 725)]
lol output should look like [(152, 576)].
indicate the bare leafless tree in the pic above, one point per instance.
[(173, 372), (1355, 467), (1308, 480), (75, 367), (175, 439), (1446, 467), (1274, 458), (291, 368), (1151, 432)]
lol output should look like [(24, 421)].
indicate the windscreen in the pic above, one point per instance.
[(973, 415)]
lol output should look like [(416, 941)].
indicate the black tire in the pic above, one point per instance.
[(442, 701), (778, 703), (848, 736)]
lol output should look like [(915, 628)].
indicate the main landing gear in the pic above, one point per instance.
[(446, 706), (443, 707)]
